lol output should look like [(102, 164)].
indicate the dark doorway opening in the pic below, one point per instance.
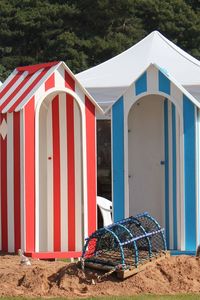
[(104, 187)]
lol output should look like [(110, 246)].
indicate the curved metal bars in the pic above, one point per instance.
[(162, 232), (136, 221), (134, 242), (98, 233), (120, 245), (132, 238)]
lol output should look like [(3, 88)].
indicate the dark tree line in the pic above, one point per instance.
[(84, 33)]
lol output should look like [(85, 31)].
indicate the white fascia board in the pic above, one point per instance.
[(178, 85), (174, 81), (100, 110)]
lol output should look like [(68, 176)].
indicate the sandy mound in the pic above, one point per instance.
[(172, 275)]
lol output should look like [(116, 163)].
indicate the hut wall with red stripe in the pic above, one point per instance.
[(48, 169)]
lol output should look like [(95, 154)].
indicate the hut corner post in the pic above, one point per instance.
[(118, 159)]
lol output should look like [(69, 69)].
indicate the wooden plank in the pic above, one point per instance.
[(56, 254), (98, 266), (122, 274)]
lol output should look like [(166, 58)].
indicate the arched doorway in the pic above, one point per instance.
[(153, 162), (60, 203)]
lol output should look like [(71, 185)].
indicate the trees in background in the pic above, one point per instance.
[(84, 33)]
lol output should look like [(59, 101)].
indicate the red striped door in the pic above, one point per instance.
[(61, 175)]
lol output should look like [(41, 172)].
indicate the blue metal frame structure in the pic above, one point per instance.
[(140, 222)]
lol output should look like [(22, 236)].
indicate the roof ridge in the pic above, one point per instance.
[(119, 54), (154, 34), (181, 52), (34, 68)]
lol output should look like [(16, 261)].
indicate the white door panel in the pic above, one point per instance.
[(146, 152)]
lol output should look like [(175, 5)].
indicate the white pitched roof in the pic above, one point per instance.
[(107, 81)]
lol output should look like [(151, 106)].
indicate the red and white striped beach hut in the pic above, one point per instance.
[(48, 162)]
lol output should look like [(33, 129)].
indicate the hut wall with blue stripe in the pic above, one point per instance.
[(155, 156)]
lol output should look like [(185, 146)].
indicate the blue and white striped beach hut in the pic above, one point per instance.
[(155, 135), (152, 92)]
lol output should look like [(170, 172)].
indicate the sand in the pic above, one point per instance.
[(180, 274)]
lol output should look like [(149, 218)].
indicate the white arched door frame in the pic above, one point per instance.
[(128, 103), (81, 105)]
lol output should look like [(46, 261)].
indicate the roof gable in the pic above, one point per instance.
[(24, 82), (156, 80)]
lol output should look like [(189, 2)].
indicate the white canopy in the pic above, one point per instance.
[(107, 81)]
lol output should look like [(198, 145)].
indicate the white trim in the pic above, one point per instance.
[(40, 91), (112, 189), (179, 86), (10, 184), (41, 82), (13, 87), (6, 82), (21, 91), (182, 184), (59, 76), (0, 205), (50, 204), (81, 88), (63, 172), (152, 79), (35, 90), (197, 169), (127, 103), (149, 70), (178, 185), (178, 96), (171, 225), (22, 188), (79, 214), (81, 103), (126, 170), (134, 99), (55, 91), (84, 162), (96, 165)]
